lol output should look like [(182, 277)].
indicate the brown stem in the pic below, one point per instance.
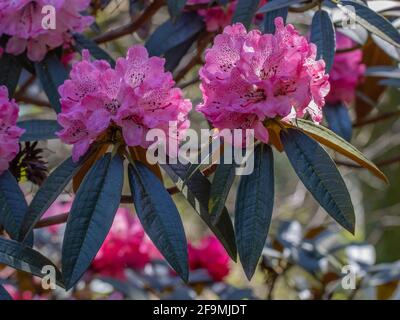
[(33, 100), (25, 86), (379, 163), (125, 199), (380, 117), (189, 83), (306, 7), (133, 26), (202, 43), (51, 221)]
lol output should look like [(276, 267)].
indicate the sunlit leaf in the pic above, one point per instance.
[(320, 176)]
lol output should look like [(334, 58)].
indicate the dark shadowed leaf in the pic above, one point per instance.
[(23, 258), (91, 216), (51, 74), (269, 18), (174, 56), (323, 35), (338, 119), (253, 209), (170, 35), (374, 22), (245, 11), (4, 295), (81, 42), (197, 193), (13, 206), (175, 7), (320, 176), (159, 217), (10, 70), (277, 4), (48, 193), (39, 129), (220, 187)]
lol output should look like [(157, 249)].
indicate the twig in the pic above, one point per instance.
[(380, 117), (379, 163), (51, 221), (35, 101), (133, 26), (306, 7), (189, 83), (202, 44), (25, 86), (125, 199)]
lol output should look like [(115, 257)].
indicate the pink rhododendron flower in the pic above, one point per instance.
[(9, 132), (249, 77), (218, 17), (22, 21), (136, 96), (211, 256), (346, 73), (126, 246)]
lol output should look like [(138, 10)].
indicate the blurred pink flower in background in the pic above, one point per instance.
[(9, 132), (218, 17), (22, 21), (346, 73), (126, 246), (211, 256), (249, 77), (137, 95)]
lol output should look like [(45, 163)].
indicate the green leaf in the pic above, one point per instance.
[(91, 216), (4, 295), (175, 7), (170, 35), (51, 74), (48, 193), (269, 18), (333, 141), (39, 129), (10, 70), (253, 210), (220, 187), (277, 4), (13, 206), (197, 193), (23, 258), (338, 119), (159, 217), (323, 35), (374, 22), (81, 42), (320, 176), (245, 11)]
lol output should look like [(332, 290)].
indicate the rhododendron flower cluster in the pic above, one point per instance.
[(211, 256), (249, 77), (22, 21), (9, 132), (126, 246), (136, 96), (346, 73)]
